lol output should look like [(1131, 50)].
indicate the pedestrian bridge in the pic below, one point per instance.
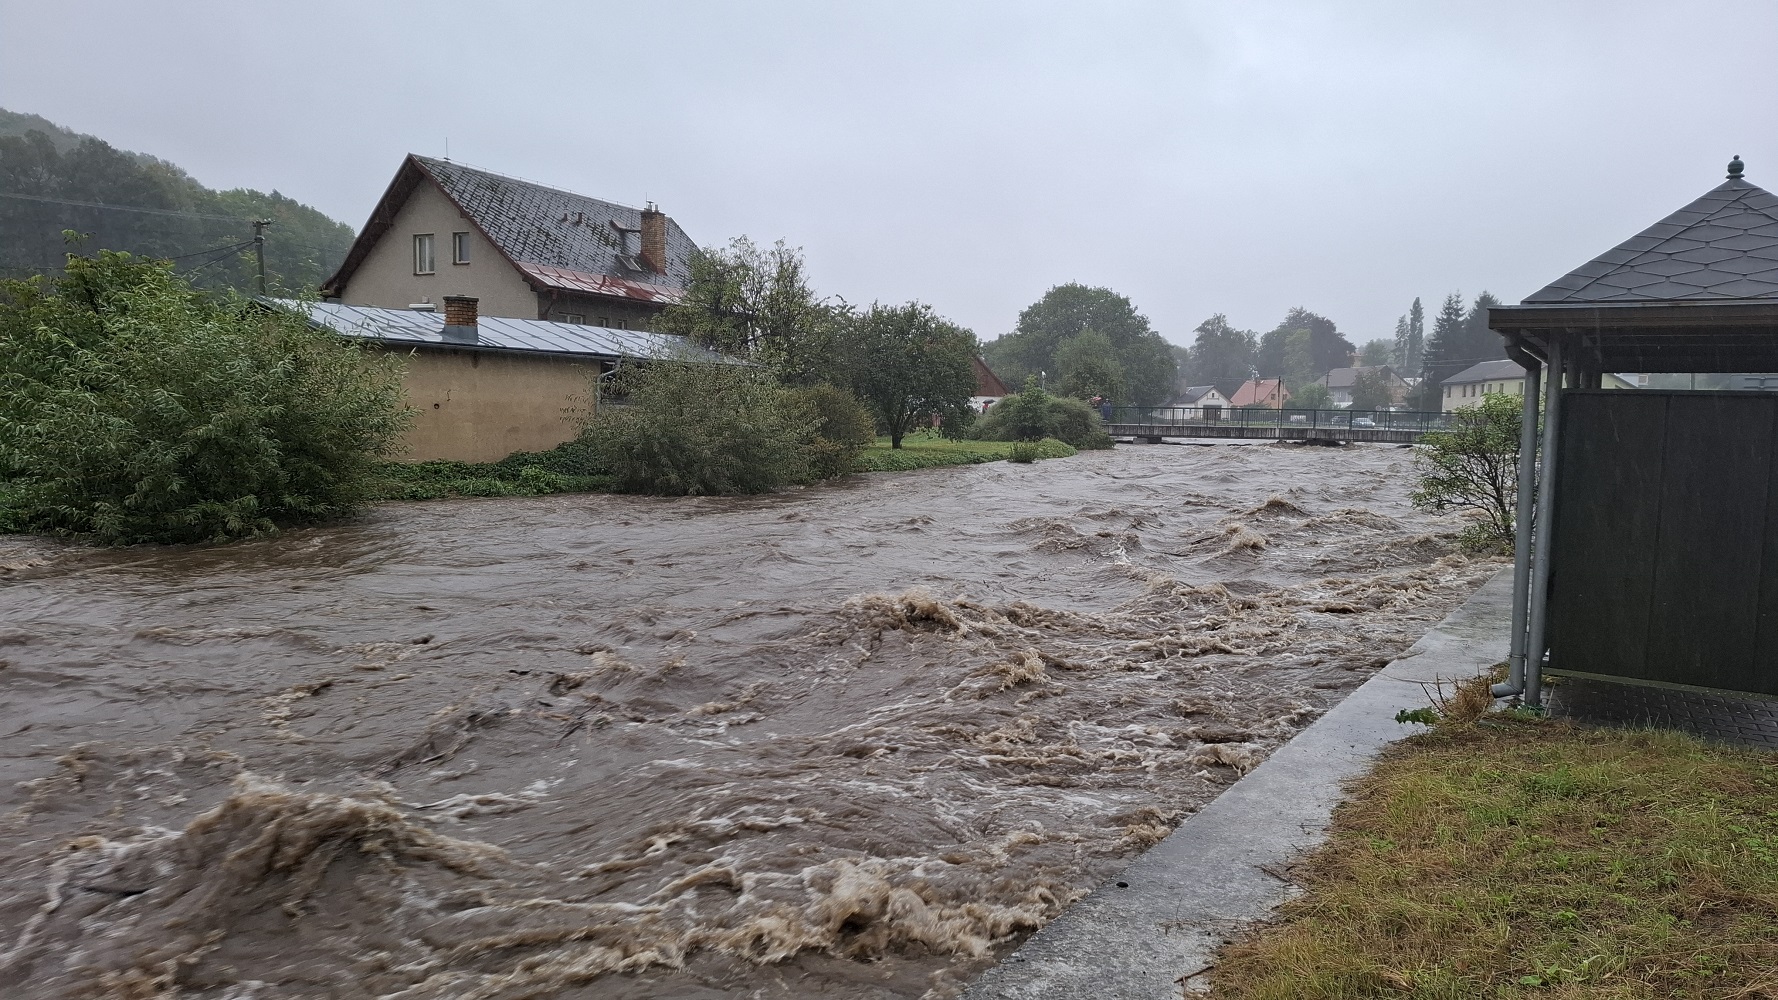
[(1380, 426)]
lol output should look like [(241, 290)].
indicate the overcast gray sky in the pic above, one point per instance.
[(1198, 157)]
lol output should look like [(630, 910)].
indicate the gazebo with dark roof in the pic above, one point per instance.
[(1652, 554)]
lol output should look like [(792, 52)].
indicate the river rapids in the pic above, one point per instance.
[(854, 741)]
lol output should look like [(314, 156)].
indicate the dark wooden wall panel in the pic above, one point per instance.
[(1606, 528), (1666, 541), (1703, 618)]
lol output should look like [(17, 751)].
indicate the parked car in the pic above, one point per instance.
[(1363, 422), (1299, 418)]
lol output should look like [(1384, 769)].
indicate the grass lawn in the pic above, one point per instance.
[(1525, 858), (562, 470), (922, 452)]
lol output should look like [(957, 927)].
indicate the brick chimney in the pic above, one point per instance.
[(654, 239), (460, 319)]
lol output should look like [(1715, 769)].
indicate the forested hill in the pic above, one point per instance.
[(53, 179)]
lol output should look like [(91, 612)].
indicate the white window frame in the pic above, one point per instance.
[(459, 248), (424, 261), (578, 319)]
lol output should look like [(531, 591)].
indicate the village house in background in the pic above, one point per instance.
[(1266, 392), (523, 250), (1467, 387), (1341, 381), (989, 389), (483, 387), (1206, 398)]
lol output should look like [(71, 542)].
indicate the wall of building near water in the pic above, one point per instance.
[(481, 406), (387, 278)]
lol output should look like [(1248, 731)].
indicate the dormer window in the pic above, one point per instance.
[(423, 262)]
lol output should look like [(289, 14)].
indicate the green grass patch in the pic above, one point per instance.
[(921, 452), (572, 469), (1514, 857)]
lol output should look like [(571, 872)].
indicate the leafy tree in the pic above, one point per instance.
[(1321, 349), (757, 304), (1289, 354), (1066, 311), (906, 362), (1376, 353), (1313, 396), (1373, 390), (1473, 467), (1410, 339), (1221, 353), (1088, 366), (134, 409)]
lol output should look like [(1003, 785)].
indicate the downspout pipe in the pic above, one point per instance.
[(1515, 677), (1543, 543)]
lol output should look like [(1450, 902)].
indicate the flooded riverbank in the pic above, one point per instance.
[(851, 741)]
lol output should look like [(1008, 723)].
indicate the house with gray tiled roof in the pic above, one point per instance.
[(523, 250)]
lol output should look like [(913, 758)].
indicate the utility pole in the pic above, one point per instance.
[(259, 228)]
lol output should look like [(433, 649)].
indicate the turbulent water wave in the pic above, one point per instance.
[(854, 741)]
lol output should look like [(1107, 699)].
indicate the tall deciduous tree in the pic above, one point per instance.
[(1375, 353), (1069, 310), (756, 303), (907, 361), (1372, 390), (1327, 348), (1221, 353), (1088, 366)]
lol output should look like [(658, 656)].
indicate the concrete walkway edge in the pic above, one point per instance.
[(1165, 915)]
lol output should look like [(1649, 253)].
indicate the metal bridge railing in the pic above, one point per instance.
[(1213, 416)]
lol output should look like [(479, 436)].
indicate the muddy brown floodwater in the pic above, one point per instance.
[(855, 741)]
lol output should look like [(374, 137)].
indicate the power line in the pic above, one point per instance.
[(123, 208), (200, 253), (199, 267)]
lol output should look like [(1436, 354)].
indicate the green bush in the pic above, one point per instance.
[(844, 429), (1023, 452), (1473, 467), (693, 429), (1032, 415), (133, 409)]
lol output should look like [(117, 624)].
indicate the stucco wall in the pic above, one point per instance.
[(387, 278), (481, 406), (1458, 397)]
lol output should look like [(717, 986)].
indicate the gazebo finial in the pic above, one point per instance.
[(1735, 168)]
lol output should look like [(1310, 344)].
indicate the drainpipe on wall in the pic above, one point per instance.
[(1537, 630), (1515, 678)]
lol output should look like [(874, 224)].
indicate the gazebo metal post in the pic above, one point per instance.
[(1546, 516), (1515, 678)]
